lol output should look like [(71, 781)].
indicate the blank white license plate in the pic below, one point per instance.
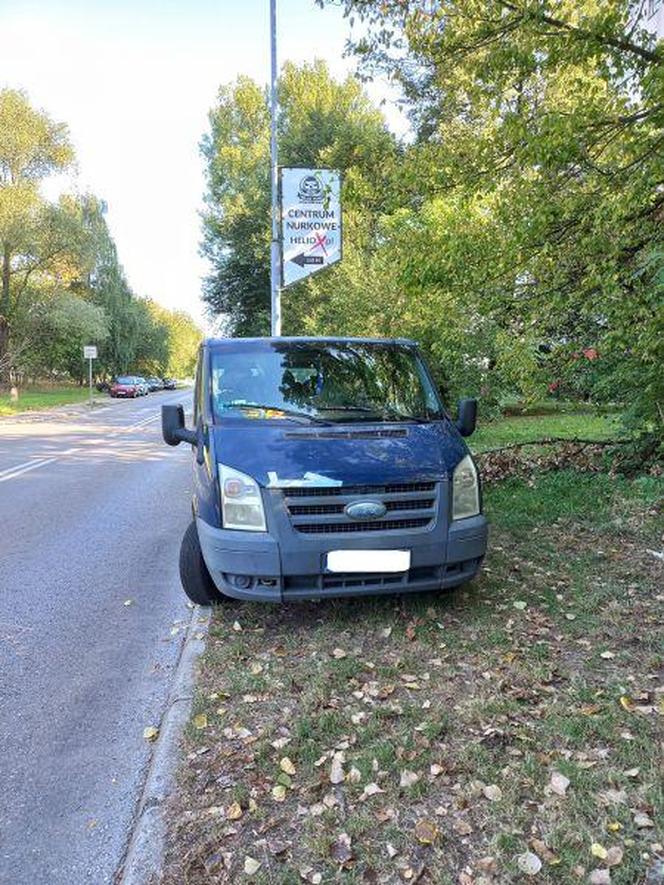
[(368, 561)]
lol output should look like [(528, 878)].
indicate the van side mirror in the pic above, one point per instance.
[(467, 417), (173, 428)]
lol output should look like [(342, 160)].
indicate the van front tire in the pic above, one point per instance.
[(194, 574)]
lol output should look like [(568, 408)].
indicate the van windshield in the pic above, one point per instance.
[(331, 382)]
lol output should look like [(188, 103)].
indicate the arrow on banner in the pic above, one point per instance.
[(303, 259)]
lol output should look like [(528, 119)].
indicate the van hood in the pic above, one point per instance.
[(361, 454)]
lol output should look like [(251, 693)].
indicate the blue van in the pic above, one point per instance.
[(325, 467)]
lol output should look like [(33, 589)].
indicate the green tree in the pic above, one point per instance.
[(323, 122), (548, 115), (32, 146)]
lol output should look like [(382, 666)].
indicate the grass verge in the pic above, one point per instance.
[(34, 398), (453, 737), (522, 428)]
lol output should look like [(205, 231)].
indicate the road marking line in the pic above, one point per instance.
[(25, 469), (143, 423), (18, 466)]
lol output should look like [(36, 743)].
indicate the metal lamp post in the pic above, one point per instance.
[(275, 251)]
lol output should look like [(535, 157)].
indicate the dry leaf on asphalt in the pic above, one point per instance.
[(151, 733)]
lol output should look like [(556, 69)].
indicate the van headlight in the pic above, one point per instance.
[(465, 490), (241, 502)]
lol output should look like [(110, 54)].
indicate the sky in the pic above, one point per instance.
[(134, 80)]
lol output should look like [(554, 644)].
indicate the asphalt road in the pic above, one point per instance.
[(92, 509)]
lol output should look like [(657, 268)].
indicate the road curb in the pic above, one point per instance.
[(143, 861)]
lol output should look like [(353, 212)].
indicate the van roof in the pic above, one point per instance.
[(308, 339)]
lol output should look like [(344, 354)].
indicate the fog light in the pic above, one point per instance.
[(242, 582)]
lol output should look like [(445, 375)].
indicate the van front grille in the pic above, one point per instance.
[(409, 506)]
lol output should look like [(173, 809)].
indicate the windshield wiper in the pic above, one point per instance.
[(291, 413)]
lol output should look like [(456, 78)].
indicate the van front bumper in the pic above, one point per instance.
[(250, 565)]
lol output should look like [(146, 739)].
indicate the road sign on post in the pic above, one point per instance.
[(89, 354), (310, 222)]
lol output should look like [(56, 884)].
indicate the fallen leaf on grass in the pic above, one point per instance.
[(151, 733), (354, 775), (559, 783), (493, 792), (462, 827), (598, 850), (200, 721), (542, 850), (520, 605), (643, 821), (370, 790), (287, 766), (408, 778), (391, 851), (607, 655), (336, 769), (251, 865), (234, 811), (426, 831), (340, 850), (237, 627), (256, 668), (279, 792), (529, 863), (339, 653), (600, 877), (614, 856)]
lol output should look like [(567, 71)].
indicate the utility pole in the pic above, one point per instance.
[(275, 252)]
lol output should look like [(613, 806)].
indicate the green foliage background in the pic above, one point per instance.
[(517, 235)]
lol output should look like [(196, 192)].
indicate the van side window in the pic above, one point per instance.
[(198, 389)]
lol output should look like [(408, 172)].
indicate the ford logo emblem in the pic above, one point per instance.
[(365, 510)]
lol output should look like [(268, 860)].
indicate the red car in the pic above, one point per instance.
[(125, 386)]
